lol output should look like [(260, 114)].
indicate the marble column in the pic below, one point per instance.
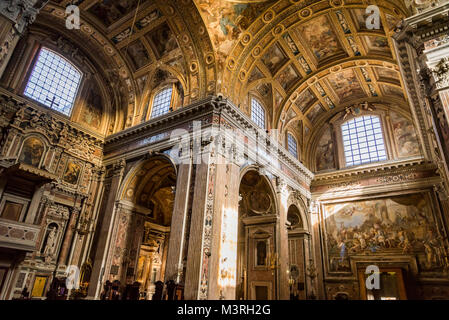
[(174, 266), (282, 247), (107, 218), (198, 256)]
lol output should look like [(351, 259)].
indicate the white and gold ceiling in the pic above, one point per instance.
[(304, 59)]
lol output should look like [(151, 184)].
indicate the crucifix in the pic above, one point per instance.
[(52, 102)]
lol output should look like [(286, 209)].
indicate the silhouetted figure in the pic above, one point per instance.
[(115, 294), (171, 286), (105, 295), (158, 291), (25, 294)]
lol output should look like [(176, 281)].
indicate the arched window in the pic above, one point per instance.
[(363, 140), (161, 102), (292, 145), (54, 82), (257, 113)]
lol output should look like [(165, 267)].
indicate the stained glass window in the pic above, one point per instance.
[(363, 140), (54, 82), (161, 102)]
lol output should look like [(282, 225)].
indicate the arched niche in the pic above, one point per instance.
[(144, 216), (257, 238)]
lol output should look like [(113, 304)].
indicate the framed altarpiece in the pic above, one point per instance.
[(400, 234)]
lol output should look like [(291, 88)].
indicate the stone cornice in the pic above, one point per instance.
[(209, 106), (373, 170)]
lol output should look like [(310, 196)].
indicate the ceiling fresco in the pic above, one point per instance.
[(304, 57)]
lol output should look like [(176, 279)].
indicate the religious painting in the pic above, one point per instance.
[(315, 112), (324, 154), (261, 253), (12, 210), (93, 110), (163, 40), (137, 54), (288, 77), (361, 17), (226, 20), (39, 286), (290, 115), (304, 99), (32, 151), (277, 99), (400, 225), (320, 37), (392, 91), (256, 74), (72, 172), (274, 58), (109, 12), (385, 73), (377, 44), (405, 135), (346, 85)]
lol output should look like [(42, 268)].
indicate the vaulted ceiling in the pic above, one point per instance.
[(305, 59)]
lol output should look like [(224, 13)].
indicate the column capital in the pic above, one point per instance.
[(21, 12)]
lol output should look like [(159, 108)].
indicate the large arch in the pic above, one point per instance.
[(142, 232)]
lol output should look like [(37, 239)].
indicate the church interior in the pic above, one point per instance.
[(224, 150)]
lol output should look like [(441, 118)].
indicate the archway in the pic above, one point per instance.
[(257, 239), (149, 193), (297, 253)]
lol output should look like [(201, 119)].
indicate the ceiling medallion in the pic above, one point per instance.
[(256, 52), (305, 13), (211, 86), (242, 75), (336, 3), (335, 69), (312, 81), (201, 30), (59, 13), (246, 38), (278, 29), (109, 50), (210, 58), (193, 67), (231, 64), (194, 93), (362, 63), (185, 39), (170, 10), (294, 96), (86, 29), (268, 16)]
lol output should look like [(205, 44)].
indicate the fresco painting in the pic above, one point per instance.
[(346, 84), (325, 151), (32, 151), (321, 38), (396, 226), (405, 136)]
